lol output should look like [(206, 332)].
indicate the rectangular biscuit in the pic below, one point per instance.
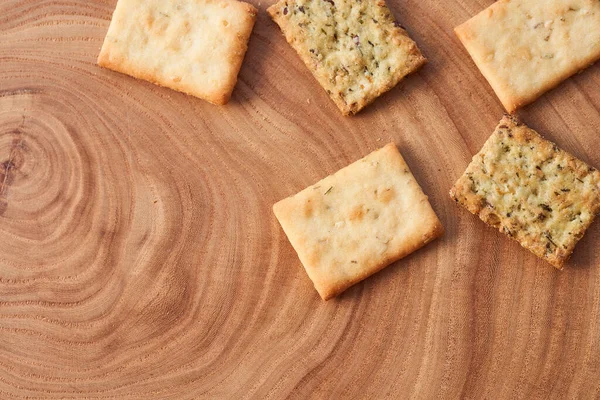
[(193, 46), (355, 49), (528, 188), (525, 48), (357, 221)]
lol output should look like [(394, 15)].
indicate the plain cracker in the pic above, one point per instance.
[(354, 49), (193, 46), (531, 190), (357, 221), (525, 48)]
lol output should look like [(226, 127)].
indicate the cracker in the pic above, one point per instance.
[(193, 46), (357, 221), (355, 49), (525, 48), (528, 188)]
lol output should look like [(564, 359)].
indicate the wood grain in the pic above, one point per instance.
[(139, 257)]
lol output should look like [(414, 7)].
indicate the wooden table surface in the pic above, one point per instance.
[(140, 258)]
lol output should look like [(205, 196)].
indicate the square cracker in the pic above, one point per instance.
[(357, 221), (526, 47), (528, 188), (354, 49), (193, 46)]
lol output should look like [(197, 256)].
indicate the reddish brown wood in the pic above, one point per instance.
[(139, 257)]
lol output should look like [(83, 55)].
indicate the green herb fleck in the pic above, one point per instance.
[(549, 237)]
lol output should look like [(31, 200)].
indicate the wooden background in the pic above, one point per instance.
[(139, 257)]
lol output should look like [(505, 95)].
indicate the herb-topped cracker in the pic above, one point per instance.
[(355, 49), (193, 46), (526, 47), (528, 188), (357, 221)]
